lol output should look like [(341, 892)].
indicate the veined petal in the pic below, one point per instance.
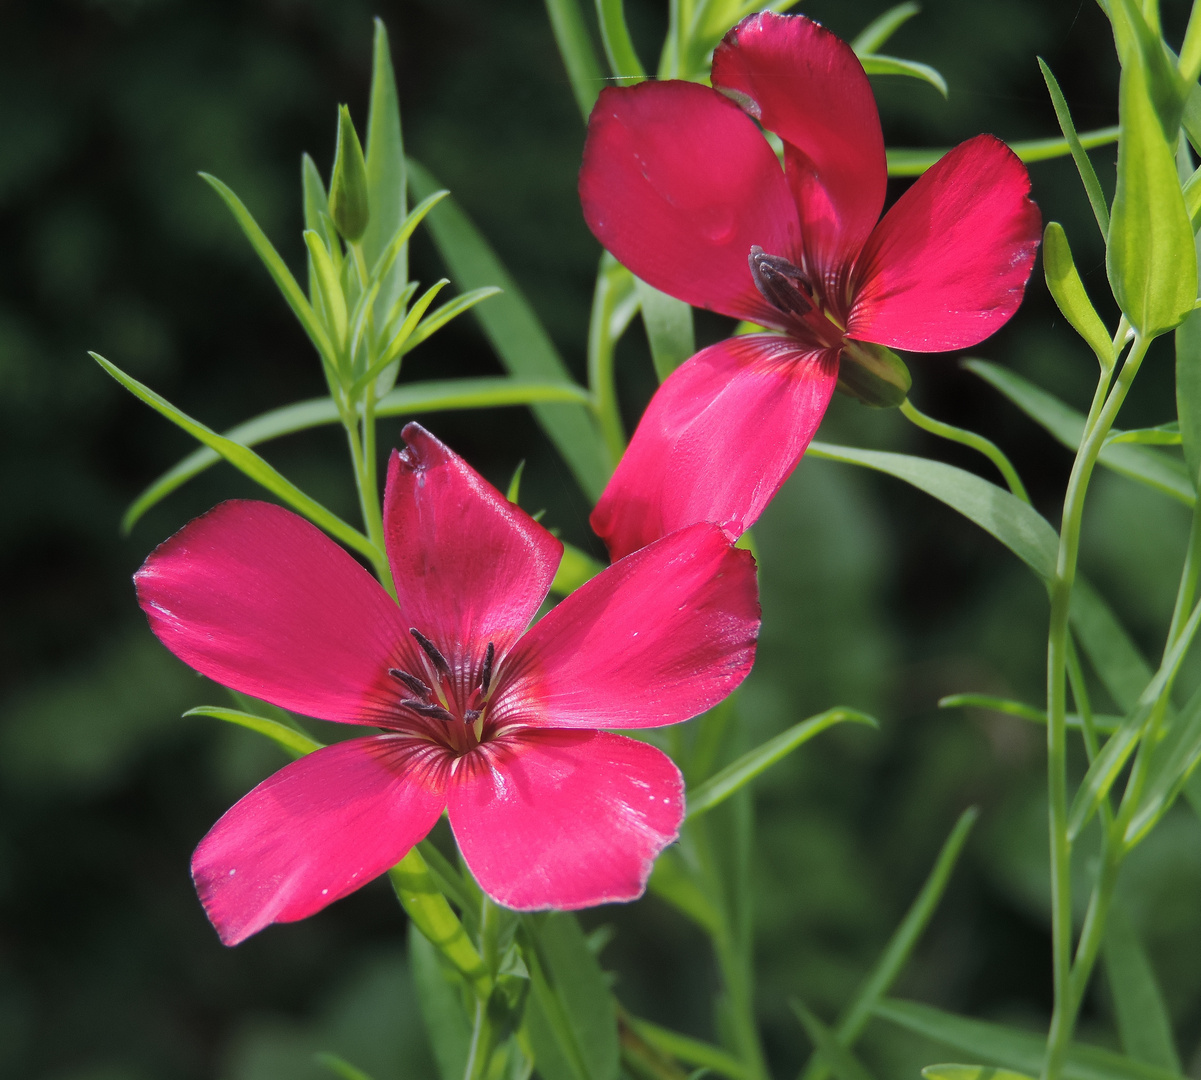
[(317, 830), (565, 819), (255, 597), (469, 566), (800, 81), (719, 437), (658, 637), (679, 184), (949, 263)]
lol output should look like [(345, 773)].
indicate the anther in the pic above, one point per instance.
[(782, 283), (431, 650), (426, 708), (411, 681), (486, 674), (470, 716)]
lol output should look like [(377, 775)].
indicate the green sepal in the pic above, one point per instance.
[(873, 374), (348, 200), (1068, 292)]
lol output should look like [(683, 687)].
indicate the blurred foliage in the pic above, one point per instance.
[(874, 596)]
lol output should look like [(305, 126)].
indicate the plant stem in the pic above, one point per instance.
[(602, 341), (365, 483), (1099, 422), (968, 438)]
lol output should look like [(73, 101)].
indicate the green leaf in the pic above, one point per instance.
[(279, 272), (248, 462), (1189, 64), (669, 332), (575, 568), (1173, 759), (876, 64), (522, 344), (1143, 1021), (341, 1068), (882, 27), (1120, 666), (436, 395), (1160, 435), (971, 1072), (316, 207), (1149, 255), (329, 288), (717, 789), (691, 1051), (571, 1016), (579, 56), (441, 315), (1188, 391), (1016, 524), (671, 881), (441, 1004), (1068, 292), (1151, 467), (912, 162), (398, 244), (1088, 175), (1011, 1048), (399, 339), (294, 742), (623, 60), (1104, 724), (841, 1062), (386, 180), (348, 201), (902, 943)]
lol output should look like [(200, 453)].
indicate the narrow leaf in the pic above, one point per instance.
[(669, 332), (623, 60), (293, 741), (316, 202), (691, 1051), (400, 338), (1016, 524), (671, 881), (441, 315), (1173, 759), (248, 462), (441, 1004), (575, 568), (1160, 435), (518, 337), (1104, 724), (1188, 391), (438, 395), (717, 789), (329, 287), (279, 272), (1151, 467), (912, 162), (400, 239), (842, 1063), (882, 27), (1189, 64), (1120, 666), (970, 1072), (1143, 1021), (1068, 292), (1012, 1048), (579, 57), (386, 180), (340, 1067), (875, 64), (1088, 175)]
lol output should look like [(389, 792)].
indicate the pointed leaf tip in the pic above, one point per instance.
[(348, 201)]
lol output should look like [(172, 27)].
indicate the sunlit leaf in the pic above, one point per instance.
[(296, 743), (442, 314), (1088, 175), (619, 48), (579, 56), (1068, 292), (575, 568), (875, 64), (882, 27), (971, 1072), (911, 162), (1160, 435)]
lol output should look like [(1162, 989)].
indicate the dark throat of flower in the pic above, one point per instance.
[(444, 701), (788, 289)]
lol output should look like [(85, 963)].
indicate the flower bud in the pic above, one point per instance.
[(874, 374), (348, 185)]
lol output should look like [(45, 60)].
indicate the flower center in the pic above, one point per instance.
[(788, 289), (458, 715)]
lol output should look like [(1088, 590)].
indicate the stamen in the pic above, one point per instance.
[(470, 716), (486, 674), (441, 665), (411, 681), (426, 708), (782, 283)]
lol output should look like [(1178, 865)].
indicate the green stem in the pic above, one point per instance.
[(1092, 934), (968, 438), (1099, 422), (364, 479), (477, 1056), (601, 345), (1187, 592)]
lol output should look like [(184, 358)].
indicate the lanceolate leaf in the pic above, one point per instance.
[(296, 743), (970, 1072), (248, 462), (1172, 760), (575, 47), (669, 330), (517, 336), (441, 1004), (882, 27), (875, 64), (717, 789), (907, 162), (1143, 1021), (1104, 724), (997, 1044), (1151, 467), (1016, 524), (1088, 175), (1120, 666), (1068, 291), (438, 395)]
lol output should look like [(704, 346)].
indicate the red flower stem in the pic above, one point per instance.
[(1100, 419)]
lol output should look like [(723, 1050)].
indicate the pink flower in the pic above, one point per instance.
[(494, 722), (680, 185)]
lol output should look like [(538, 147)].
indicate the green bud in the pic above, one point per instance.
[(873, 374), (348, 185)]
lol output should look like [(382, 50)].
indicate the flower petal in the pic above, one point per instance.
[(679, 184), (719, 437), (469, 566), (806, 85), (317, 830), (949, 263), (255, 597), (565, 819), (658, 637)]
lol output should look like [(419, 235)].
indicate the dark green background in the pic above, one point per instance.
[(874, 596)]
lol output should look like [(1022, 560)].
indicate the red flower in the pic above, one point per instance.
[(480, 716), (680, 185)]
